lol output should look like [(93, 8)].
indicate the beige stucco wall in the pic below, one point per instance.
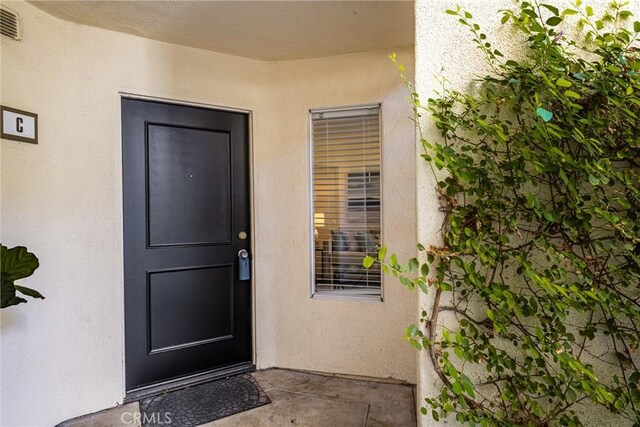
[(444, 48), (63, 356), (363, 338)]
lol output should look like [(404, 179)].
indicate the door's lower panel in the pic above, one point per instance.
[(180, 306)]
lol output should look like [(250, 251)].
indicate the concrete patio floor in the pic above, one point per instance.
[(303, 399)]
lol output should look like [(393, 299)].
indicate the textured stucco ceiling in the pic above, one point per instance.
[(266, 30)]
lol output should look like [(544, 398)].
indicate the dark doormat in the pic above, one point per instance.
[(203, 403)]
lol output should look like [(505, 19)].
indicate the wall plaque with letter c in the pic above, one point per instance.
[(18, 125)]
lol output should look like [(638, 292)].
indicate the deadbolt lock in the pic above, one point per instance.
[(242, 235)]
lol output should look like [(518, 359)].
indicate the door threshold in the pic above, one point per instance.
[(187, 381)]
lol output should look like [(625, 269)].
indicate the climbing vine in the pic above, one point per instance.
[(536, 288)]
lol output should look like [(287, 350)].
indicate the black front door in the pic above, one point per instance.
[(186, 217)]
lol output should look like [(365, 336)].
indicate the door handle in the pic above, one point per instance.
[(244, 269)]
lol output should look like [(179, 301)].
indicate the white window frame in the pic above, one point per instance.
[(341, 294)]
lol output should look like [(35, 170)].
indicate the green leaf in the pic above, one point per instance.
[(589, 10), (415, 344), (7, 300), (406, 282), (424, 270), (367, 262), (29, 292), (411, 330), (551, 8), (563, 82), (17, 262), (8, 294), (563, 176), (423, 286), (545, 115), (572, 94), (457, 388), (594, 179), (553, 21), (413, 265), (636, 26), (468, 389), (382, 253)]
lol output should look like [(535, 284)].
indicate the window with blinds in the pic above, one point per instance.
[(346, 187)]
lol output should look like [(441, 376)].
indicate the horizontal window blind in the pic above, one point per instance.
[(346, 184)]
